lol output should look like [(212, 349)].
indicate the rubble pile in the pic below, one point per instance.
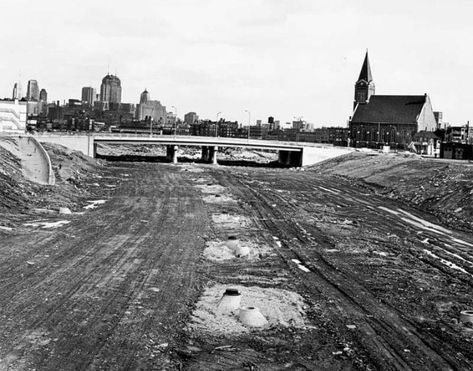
[(19, 196), (16, 191), (441, 187)]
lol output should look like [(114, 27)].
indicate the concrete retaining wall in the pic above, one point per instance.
[(46, 159), (313, 155), (82, 143)]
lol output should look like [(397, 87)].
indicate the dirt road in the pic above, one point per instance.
[(107, 290), (115, 288)]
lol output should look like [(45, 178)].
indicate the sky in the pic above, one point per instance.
[(282, 58)]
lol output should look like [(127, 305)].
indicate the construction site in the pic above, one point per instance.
[(127, 262)]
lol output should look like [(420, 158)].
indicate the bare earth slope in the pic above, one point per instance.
[(118, 286), (443, 188)]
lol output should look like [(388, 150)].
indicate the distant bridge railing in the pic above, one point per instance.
[(184, 137)]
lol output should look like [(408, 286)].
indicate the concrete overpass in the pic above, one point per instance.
[(292, 154)]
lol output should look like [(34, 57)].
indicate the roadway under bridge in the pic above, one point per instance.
[(291, 154)]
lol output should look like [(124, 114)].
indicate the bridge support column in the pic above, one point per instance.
[(205, 153), (91, 146), (171, 153), (213, 154)]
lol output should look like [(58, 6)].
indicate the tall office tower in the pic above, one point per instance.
[(33, 90), (88, 95), (150, 108), (144, 97), (111, 90), (43, 95), (16, 91)]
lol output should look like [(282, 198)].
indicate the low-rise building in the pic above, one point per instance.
[(13, 115)]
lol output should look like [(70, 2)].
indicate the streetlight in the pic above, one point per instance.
[(216, 124), (175, 119), (249, 122)]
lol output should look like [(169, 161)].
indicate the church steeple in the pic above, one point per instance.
[(364, 87)]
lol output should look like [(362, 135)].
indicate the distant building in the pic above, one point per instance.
[(151, 109), (12, 116), (111, 89), (88, 95), (16, 91), (459, 134), (438, 119), (191, 118), (145, 97), (221, 128), (299, 125), (33, 108), (275, 125), (43, 96), (33, 91), (387, 119)]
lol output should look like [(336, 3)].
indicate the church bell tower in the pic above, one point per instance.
[(364, 87)]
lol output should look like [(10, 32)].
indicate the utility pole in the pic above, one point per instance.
[(175, 120), (216, 124)]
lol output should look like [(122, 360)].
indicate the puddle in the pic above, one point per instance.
[(424, 223), (280, 307), (388, 210), (5, 228), (447, 263), (94, 204), (330, 190), (48, 225), (457, 240), (301, 266)]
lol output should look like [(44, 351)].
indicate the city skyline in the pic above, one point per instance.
[(283, 59)]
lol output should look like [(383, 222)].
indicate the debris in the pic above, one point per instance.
[(65, 210)]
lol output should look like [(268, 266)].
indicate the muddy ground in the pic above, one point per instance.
[(118, 286)]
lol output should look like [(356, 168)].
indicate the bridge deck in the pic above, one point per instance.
[(198, 141)]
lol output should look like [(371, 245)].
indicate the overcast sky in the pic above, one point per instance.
[(284, 58)]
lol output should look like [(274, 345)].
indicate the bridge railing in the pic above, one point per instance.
[(185, 138)]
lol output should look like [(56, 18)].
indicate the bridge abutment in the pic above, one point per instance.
[(290, 158)]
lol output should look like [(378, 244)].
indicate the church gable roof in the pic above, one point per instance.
[(390, 109)]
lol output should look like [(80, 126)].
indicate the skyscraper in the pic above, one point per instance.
[(150, 108), (16, 91), (33, 90), (43, 95), (144, 97), (88, 95), (111, 90)]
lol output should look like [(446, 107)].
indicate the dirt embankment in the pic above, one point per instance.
[(440, 187), (20, 197)]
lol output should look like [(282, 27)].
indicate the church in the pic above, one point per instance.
[(392, 120)]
